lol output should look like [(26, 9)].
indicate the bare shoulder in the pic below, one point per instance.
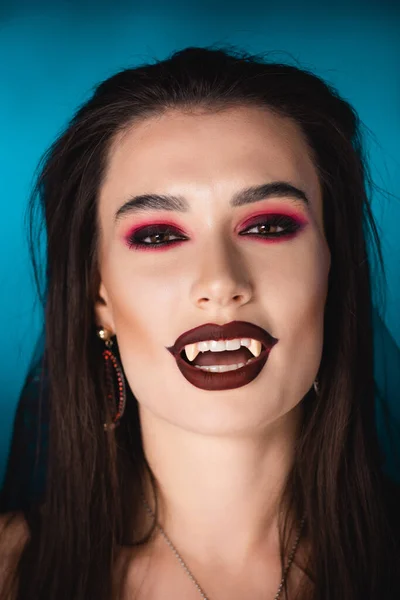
[(14, 533)]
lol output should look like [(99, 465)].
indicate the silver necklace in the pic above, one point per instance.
[(188, 572)]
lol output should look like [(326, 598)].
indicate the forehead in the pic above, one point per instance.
[(213, 151)]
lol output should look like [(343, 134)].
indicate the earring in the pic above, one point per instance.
[(316, 387), (110, 364)]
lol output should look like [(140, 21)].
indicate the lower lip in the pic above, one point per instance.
[(223, 381)]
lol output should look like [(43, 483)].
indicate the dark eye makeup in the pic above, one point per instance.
[(271, 227)]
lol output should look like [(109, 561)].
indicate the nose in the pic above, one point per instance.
[(222, 279)]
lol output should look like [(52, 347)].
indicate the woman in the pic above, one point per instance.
[(208, 345)]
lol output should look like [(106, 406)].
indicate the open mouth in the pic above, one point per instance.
[(213, 357), (222, 361), (222, 376)]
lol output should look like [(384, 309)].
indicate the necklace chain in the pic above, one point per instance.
[(196, 583)]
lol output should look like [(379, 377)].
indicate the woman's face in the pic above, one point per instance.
[(264, 262)]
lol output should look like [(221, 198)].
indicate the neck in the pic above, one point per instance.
[(219, 496)]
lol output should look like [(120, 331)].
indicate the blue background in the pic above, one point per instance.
[(53, 53)]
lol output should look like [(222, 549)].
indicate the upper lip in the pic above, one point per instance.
[(229, 331)]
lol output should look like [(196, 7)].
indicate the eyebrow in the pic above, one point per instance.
[(256, 193)]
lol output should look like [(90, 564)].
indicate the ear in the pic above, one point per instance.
[(103, 310)]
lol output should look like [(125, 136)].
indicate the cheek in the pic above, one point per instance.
[(295, 307), (295, 292), (141, 304)]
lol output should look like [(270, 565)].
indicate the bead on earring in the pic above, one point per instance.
[(111, 366)]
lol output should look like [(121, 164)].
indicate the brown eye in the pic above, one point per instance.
[(268, 228), (154, 235), (156, 238), (273, 226)]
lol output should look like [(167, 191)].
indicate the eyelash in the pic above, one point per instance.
[(290, 225)]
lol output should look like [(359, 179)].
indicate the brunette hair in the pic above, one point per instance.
[(94, 481)]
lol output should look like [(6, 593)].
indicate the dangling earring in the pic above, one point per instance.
[(110, 363), (316, 387)]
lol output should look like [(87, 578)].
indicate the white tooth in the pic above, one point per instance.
[(203, 346), (232, 344), (217, 346), (231, 368), (255, 348), (218, 368), (221, 345), (191, 351), (223, 368)]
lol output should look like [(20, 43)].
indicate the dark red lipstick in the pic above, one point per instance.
[(229, 379)]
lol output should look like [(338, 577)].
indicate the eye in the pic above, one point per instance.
[(161, 235), (153, 235), (273, 226)]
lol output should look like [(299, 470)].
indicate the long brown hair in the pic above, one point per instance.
[(94, 480)]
